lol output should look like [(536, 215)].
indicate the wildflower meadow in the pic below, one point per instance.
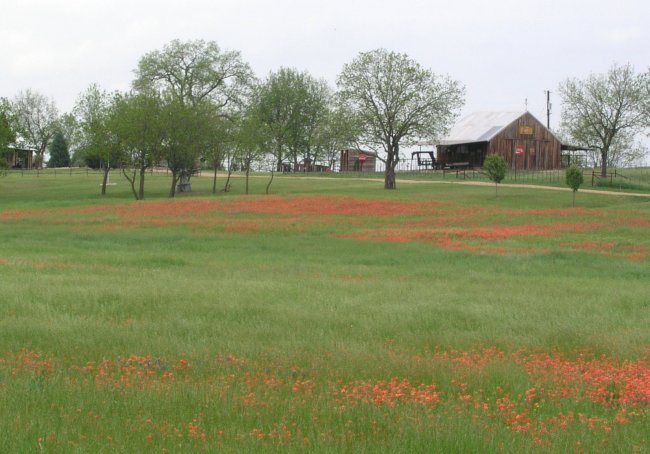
[(327, 316)]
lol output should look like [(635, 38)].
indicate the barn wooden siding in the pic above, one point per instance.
[(350, 161), (541, 149)]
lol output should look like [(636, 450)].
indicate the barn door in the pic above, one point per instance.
[(519, 153)]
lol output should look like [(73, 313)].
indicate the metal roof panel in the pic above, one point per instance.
[(480, 127)]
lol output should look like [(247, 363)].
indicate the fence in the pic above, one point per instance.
[(56, 172), (632, 179)]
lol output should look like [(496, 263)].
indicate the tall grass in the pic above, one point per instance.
[(185, 332)]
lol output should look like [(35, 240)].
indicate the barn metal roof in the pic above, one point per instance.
[(479, 127)]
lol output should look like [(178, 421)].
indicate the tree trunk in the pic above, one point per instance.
[(172, 190), (143, 170), (131, 180), (389, 178), (248, 169), (391, 162), (226, 187), (574, 197), (603, 164), (268, 186), (214, 180), (105, 179)]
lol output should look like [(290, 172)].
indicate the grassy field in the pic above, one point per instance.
[(328, 316)]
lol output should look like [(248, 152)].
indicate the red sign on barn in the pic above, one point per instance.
[(362, 157), (519, 150)]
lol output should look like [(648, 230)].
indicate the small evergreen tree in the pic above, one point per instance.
[(495, 167), (59, 153), (574, 179)]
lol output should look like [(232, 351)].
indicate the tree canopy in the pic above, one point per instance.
[(396, 101), (99, 144), (35, 117), (574, 179), (606, 111), (292, 105), (195, 71), (136, 123)]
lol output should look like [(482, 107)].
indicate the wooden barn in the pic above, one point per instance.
[(358, 161), (522, 140)]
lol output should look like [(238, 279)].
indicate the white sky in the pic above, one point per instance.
[(504, 51)]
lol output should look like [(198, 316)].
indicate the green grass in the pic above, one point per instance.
[(276, 312)]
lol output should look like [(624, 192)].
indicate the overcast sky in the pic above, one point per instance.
[(504, 51)]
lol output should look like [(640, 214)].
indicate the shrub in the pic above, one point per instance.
[(495, 167), (574, 179)]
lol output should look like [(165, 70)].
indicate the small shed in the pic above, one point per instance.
[(522, 140), (358, 161), (18, 158)]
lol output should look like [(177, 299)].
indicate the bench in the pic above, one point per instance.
[(457, 165)]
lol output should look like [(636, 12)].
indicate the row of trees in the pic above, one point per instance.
[(193, 103)]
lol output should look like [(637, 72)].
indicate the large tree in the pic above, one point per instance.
[(606, 111), (99, 144), (292, 105), (35, 118), (251, 141), (137, 124), (199, 82), (337, 131), (396, 102), (187, 128), (195, 71), (219, 143)]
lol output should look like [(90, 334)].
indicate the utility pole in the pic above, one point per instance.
[(548, 108)]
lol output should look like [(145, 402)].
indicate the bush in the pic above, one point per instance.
[(574, 180), (495, 167)]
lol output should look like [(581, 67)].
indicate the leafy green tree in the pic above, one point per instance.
[(606, 111), (136, 123), (219, 142), (99, 144), (251, 141), (199, 82), (7, 135), (185, 142), (35, 121), (337, 131), (397, 102), (495, 168), (59, 153), (292, 105), (195, 71), (574, 179)]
